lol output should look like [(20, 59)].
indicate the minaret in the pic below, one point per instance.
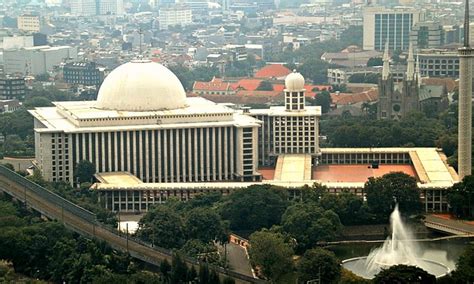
[(465, 101), (294, 92), (386, 63), (410, 64)]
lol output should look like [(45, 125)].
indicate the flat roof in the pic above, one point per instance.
[(54, 120), (358, 172), (428, 166)]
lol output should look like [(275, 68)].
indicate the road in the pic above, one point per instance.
[(237, 258), (82, 226)]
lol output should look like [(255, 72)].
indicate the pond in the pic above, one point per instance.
[(446, 251)]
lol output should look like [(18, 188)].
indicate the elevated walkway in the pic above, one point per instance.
[(449, 226), (293, 167), (85, 223)]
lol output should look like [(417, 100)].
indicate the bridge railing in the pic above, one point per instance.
[(91, 218), (49, 195)]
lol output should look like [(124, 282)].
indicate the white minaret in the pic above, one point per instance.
[(386, 63), (465, 101), (410, 64)]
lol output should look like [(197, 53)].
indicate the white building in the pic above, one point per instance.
[(142, 123), (289, 129), (36, 60), (176, 15), (392, 25), (15, 42), (83, 7), (29, 23), (110, 7)]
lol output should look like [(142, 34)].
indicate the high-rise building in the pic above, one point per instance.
[(466, 53), (12, 87), (175, 15), (97, 7), (83, 7), (29, 23), (383, 25), (36, 60), (83, 73), (427, 35), (110, 7)]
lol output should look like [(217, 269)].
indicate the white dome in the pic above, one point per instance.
[(294, 81), (141, 85)]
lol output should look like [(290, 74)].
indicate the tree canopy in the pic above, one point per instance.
[(308, 224), (384, 192), (255, 207), (461, 198), (271, 254), (404, 274), (318, 263)]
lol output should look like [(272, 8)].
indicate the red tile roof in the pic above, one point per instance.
[(216, 84), (272, 71), (247, 84), (350, 99)]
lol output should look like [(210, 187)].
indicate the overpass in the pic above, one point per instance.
[(85, 223), (453, 227)]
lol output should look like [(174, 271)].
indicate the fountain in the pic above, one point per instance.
[(399, 248)]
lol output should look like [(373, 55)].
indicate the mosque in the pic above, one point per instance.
[(149, 142)]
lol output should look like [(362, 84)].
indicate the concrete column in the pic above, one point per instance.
[(201, 149), (116, 166), (190, 155), (153, 157), (465, 112), (165, 155), (219, 153), (176, 149), (172, 155), (208, 155), (128, 151), (122, 152), (225, 159), (196, 161), (213, 151), (97, 160), (147, 158), (140, 155), (135, 159), (160, 159)]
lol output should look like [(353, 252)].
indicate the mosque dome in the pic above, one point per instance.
[(294, 81), (141, 85)]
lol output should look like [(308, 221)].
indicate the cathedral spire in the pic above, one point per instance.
[(386, 63), (417, 69), (410, 64), (466, 24)]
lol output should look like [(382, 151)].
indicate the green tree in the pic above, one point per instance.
[(384, 192), (265, 86), (308, 224), (315, 69), (204, 224), (271, 254), (162, 227), (323, 99), (461, 198), (179, 270), (258, 206), (404, 274), (318, 263), (374, 61), (350, 208), (84, 171), (464, 272)]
